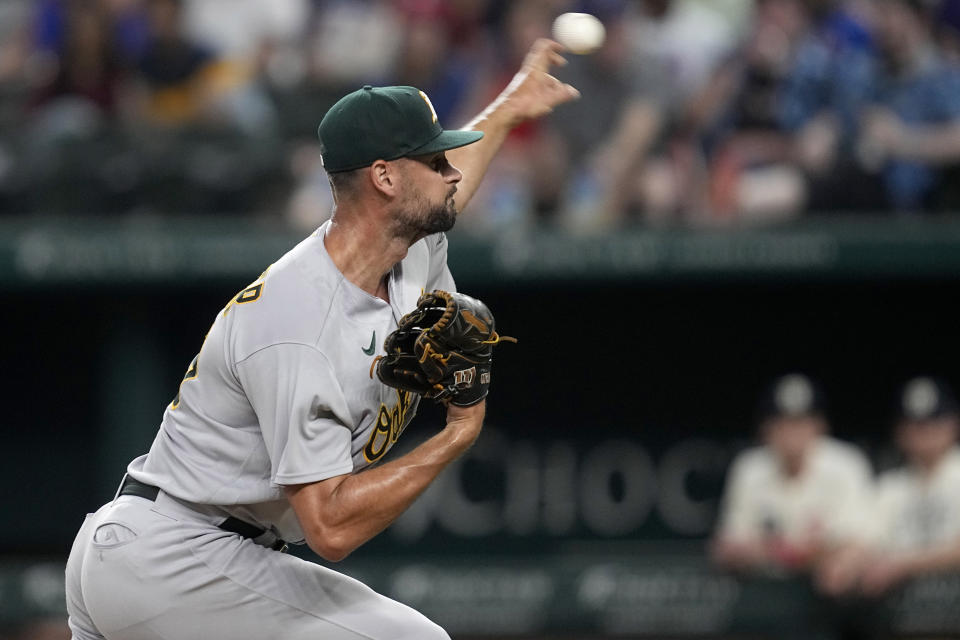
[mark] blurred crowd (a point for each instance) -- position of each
(694, 112)
(805, 503)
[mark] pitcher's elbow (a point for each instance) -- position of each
(330, 547)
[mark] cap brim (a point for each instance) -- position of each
(447, 140)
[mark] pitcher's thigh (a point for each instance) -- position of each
(314, 601)
(146, 577)
(78, 619)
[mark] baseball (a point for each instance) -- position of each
(581, 33)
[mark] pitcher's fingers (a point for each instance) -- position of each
(545, 52)
(567, 91)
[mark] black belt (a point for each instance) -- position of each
(131, 487)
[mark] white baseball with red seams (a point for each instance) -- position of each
(581, 33)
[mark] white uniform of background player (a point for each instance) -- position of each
(914, 511)
(913, 525)
(826, 501)
(775, 516)
(918, 508)
(279, 410)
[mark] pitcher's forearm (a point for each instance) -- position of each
(531, 94)
(474, 159)
(340, 514)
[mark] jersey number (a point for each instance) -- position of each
(249, 294)
(190, 375)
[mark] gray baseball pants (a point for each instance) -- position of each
(145, 570)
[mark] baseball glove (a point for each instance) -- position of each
(442, 350)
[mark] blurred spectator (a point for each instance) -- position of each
(914, 126)
(694, 111)
(526, 169)
(947, 30)
(607, 80)
(184, 82)
(832, 70)
(660, 55)
(466, 24)
(427, 60)
(262, 39)
(311, 202)
(875, 128)
(173, 68)
(355, 42)
(914, 525)
(246, 30)
(83, 85)
(751, 174)
(125, 19)
(14, 39)
(796, 496)
(830, 80)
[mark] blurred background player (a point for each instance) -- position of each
(914, 522)
(798, 494)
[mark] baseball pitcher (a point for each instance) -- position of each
(306, 378)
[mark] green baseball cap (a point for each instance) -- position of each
(383, 123)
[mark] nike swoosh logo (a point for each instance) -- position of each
(373, 340)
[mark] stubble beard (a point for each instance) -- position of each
(420, 218)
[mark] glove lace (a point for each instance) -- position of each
(430, 352)
(373, 365)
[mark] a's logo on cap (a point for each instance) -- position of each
(920, 399)
(429, 104)
(794, 395)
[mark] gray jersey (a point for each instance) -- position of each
(281, 392)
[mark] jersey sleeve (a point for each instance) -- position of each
(300, 408)
(886, 510)
(852, 493)
(439, 276)
(738, 516)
